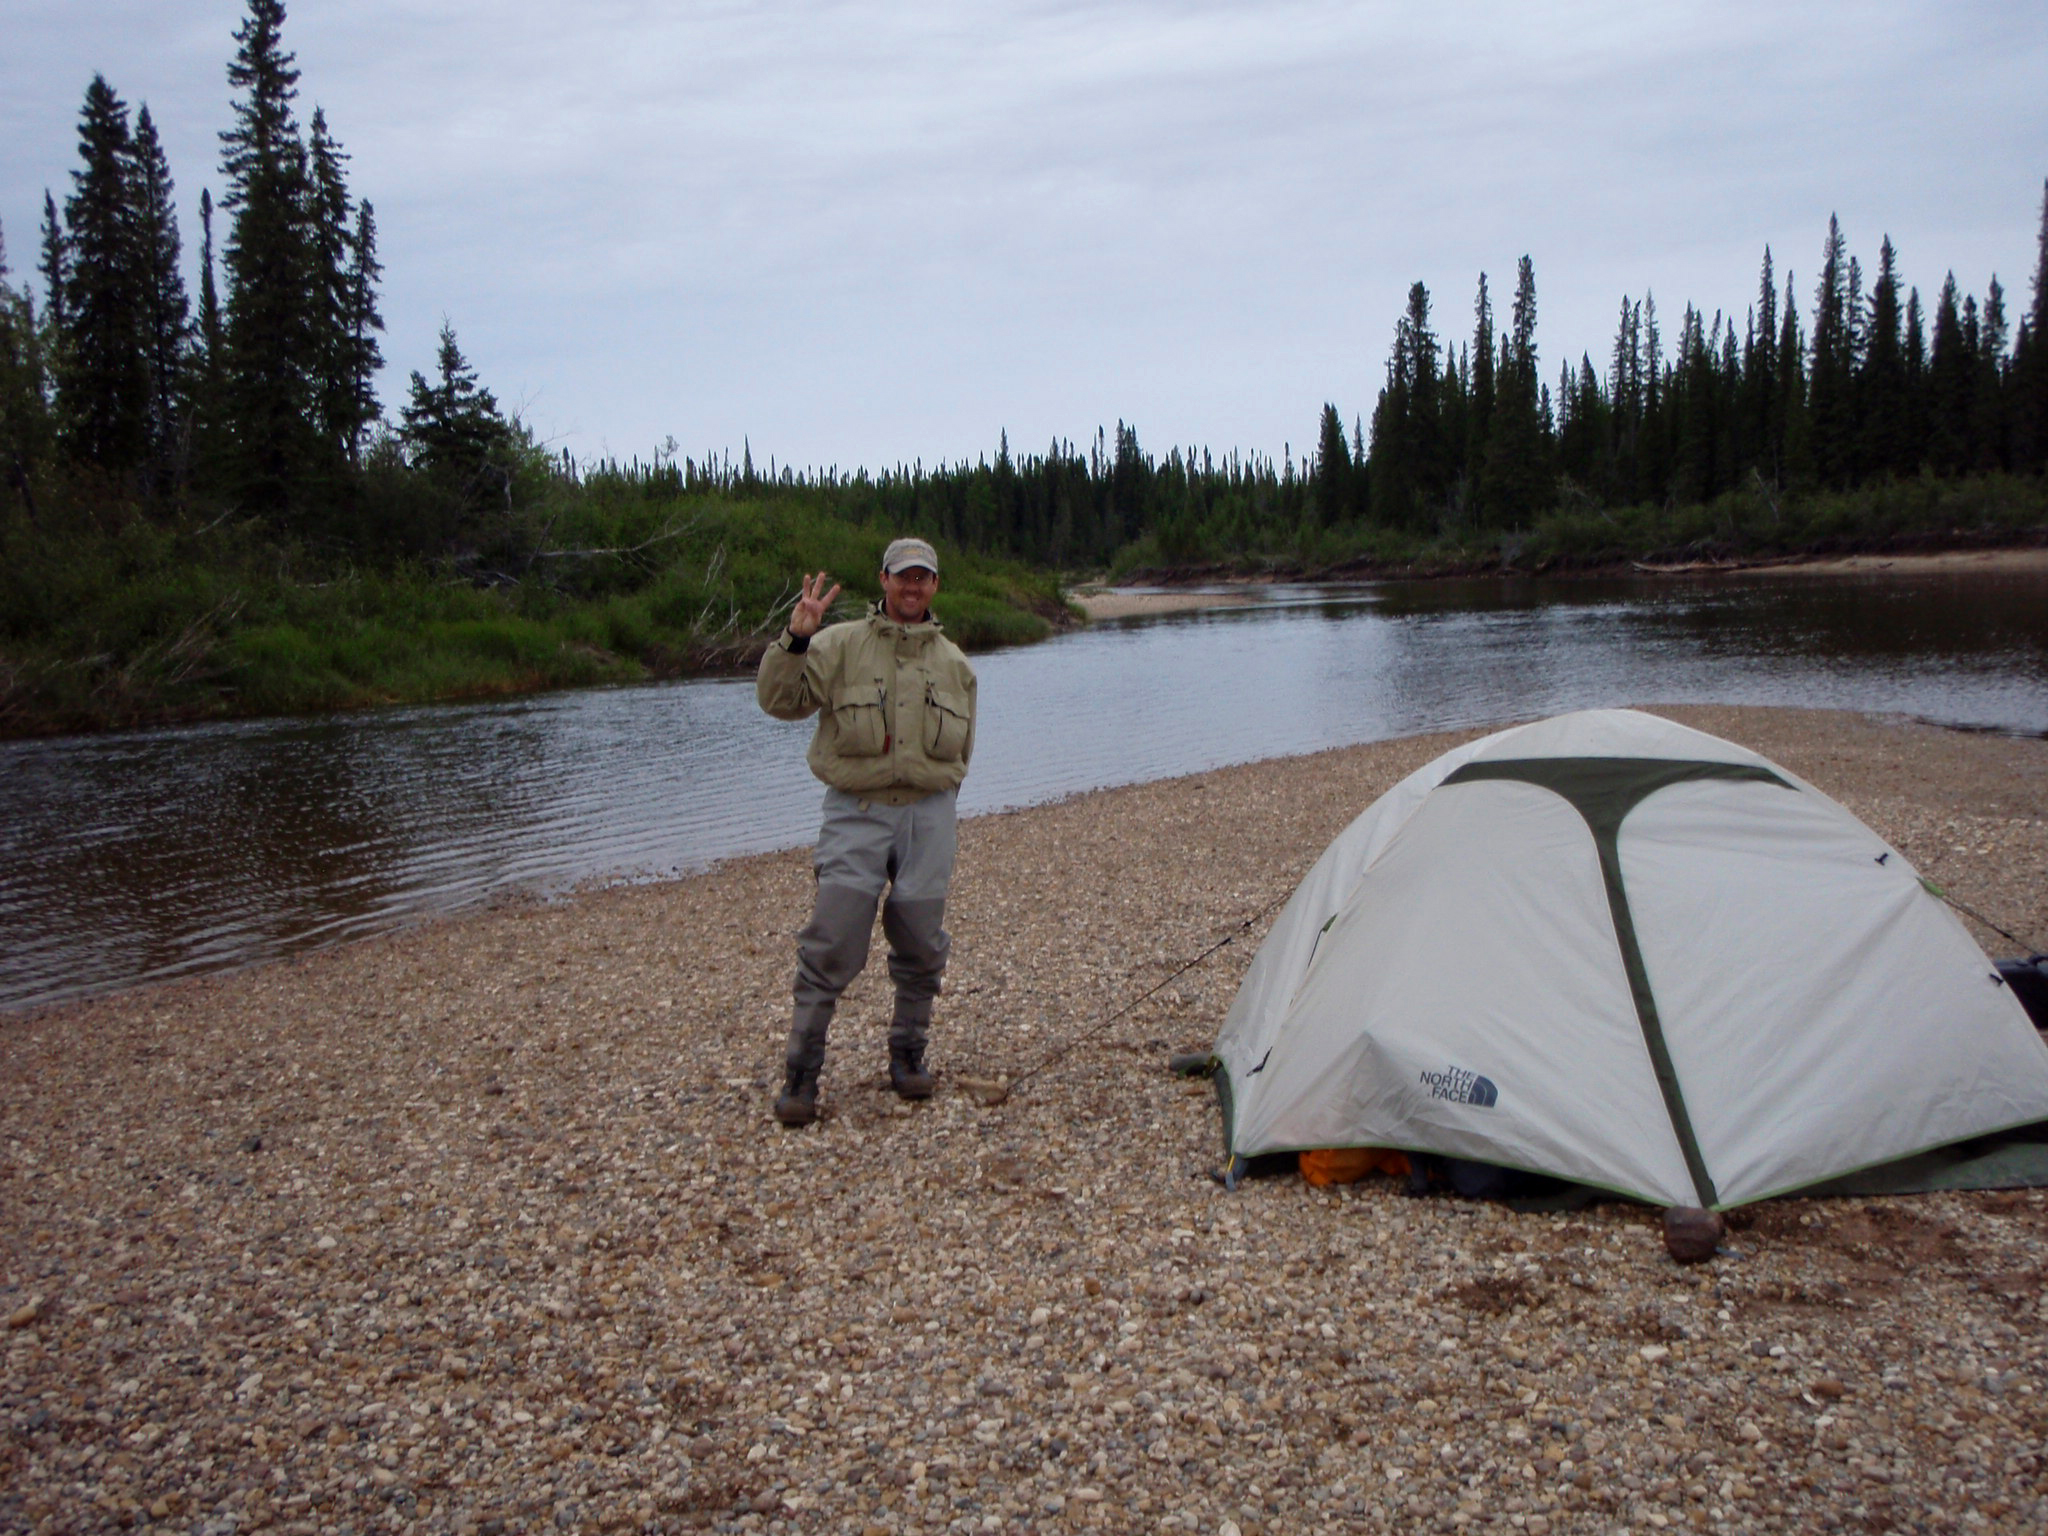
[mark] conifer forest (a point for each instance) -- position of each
(206, 508)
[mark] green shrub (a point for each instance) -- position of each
(110, 619)
(279, 669)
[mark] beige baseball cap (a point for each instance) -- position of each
(904, 553)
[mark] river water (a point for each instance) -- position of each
(144, 855)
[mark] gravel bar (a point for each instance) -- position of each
(484, 1227)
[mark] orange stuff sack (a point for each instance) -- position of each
(1347, 1165)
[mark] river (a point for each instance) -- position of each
(135, 856)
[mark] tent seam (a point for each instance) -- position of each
(1604, 792)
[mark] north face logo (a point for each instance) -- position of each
(1461, 1087)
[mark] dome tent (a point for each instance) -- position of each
(1618, 951)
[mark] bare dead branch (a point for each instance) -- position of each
(673, 531)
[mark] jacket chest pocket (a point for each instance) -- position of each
(859, 725)
(946, 723)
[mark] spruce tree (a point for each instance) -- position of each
(328, 214)
(452, 429)
(1481, 387)
(361, 357)
(1625, 389)
(1763, 427)
(1881, 380)
(1989, 430)
(1792, 427)
(342, 245)
(1406, 466)
(1951, 385)
(205, 387)
(1130, 484)
(270, 366)
(1515, 480)
(46, 346)
(24, 403)
(1915, 348)
(1691, 406)
(55, 265)
(1653, 435)
(103, 385)
(1454, 417)
(1732, 442)
(1581, 426)
(1333, 470)
(1854, 333)
(2030, 372)
(1830, 392)
(166, 314)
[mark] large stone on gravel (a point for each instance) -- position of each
(1691, 1234)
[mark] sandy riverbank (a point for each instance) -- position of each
(1131, 605)
(484, 1227)
(2001, 562)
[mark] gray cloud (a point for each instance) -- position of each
(859, 233)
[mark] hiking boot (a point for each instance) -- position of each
(798, 1104)
(907, 1074)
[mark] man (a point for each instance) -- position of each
(895, 705)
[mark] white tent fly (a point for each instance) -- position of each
(1614, 950)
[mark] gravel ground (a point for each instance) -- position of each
(484, 1227)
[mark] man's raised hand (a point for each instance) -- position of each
(812, 604)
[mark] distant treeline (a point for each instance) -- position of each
(205, 509)
(1467, 442)
(118, 396)
(1871, 392)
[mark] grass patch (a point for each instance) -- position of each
(114, 620)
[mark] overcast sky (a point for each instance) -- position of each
(861, 233)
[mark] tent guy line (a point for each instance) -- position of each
(993, 1094)
(1971, 912)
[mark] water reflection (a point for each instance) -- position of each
(153, 854)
